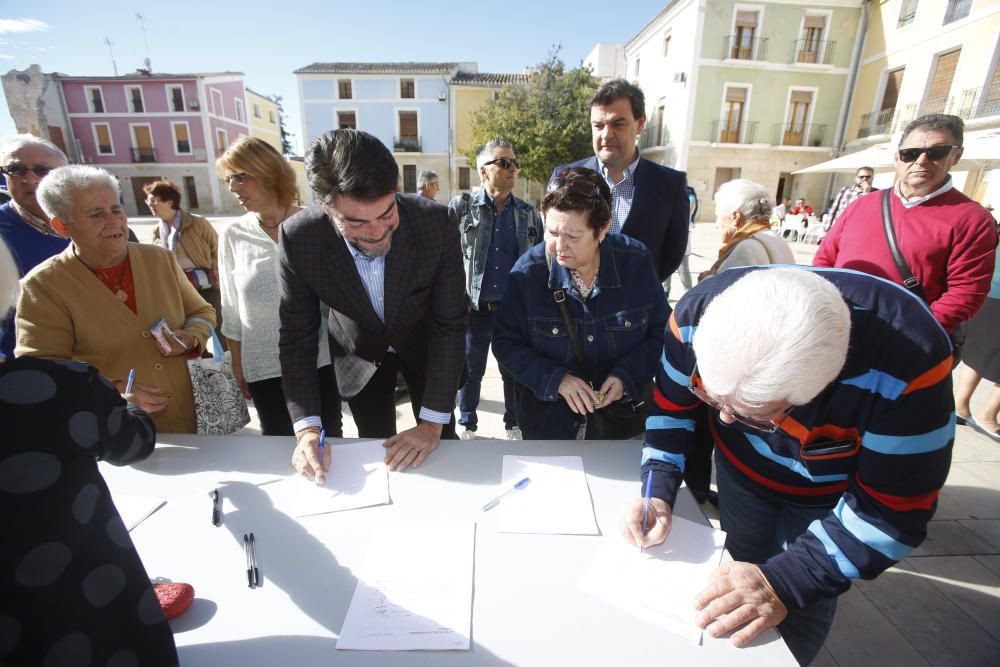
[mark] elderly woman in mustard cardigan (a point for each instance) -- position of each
(96, 301)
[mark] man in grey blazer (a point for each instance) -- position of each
(389, 267)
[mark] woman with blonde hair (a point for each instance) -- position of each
(264, 184)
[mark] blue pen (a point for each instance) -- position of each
(131, 379)
(517, 487)
(319, 455)
(645, 508)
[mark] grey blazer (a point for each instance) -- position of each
(425, 305)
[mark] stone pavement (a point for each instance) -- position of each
(940, 607)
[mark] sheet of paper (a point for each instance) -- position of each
(557, 500)
(659, 585)
(136, 509)
(358, 477)
(415, 589)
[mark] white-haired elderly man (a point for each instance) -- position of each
(496, 228)
(831, 409)
(25, 160)
(428, 184)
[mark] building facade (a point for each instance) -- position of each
(745, 90)
(265, 118)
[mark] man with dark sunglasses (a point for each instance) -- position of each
(947, 240)
(849, 193)
(496, 228)
(25, 160)
(649, 201)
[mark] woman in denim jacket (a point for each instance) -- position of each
(614, 301)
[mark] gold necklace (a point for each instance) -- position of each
(284, 215)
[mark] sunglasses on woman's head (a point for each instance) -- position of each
(581, 185)
(933, 153)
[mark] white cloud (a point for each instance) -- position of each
(22, 25)
(4, 56)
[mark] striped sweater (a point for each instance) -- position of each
(893, 398)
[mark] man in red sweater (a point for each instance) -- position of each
(948, 240)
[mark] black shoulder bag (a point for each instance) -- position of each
(620, 420)
(910, 281)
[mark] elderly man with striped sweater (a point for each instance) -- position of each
(831, 409)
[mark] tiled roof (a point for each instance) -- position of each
(377, 68)
(134, 76)
(487, 79)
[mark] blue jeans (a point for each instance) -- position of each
(477, 346)
(758, 528)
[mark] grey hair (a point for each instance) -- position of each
(743, 195)
(56, 191)
(937, 121)
(13, 144)
(485, 152)
(775, 334)
(8, 280)
(425, 177)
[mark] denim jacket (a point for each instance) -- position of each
(620, 326)
(476, 227)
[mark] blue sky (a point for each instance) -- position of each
(245, 36)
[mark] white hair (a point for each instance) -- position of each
(56, 191)
(743, 195)
(425, 177)
(13, 144)
(8, 280)
(776, 334)
(485, 153)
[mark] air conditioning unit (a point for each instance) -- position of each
(442, 97)
(194, 104)
(680, 77)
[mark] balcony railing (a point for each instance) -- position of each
(877, 122)
(957, 9)
(798, 134)
(813, 52)
(143, 155)
(978, 102)
(407, 144)
(934, 105)
(738, 48)
(734, 132)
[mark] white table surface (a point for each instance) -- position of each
(527, 608)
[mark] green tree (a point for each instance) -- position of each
(286, 136)
(546, 118)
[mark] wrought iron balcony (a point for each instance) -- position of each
(876, 122)
(978, 102)
(798, 134)
(143, 155)
(934, 105)
(814, 52)
(957, 10)
(406, 144)
(734, 132)
(739, 48)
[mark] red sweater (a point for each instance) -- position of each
(949, 242)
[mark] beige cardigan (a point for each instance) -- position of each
(66, 312)
(198, 241)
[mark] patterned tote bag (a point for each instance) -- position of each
(218, 401)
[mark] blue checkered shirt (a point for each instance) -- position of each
(621, 194)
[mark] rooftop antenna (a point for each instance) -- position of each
(107, 40)
(142, 23)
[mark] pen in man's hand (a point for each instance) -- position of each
(131, 380)
(517, 487)
(319, 455)
(216, 509)
(645, 509)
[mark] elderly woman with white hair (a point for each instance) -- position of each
(743, 214)
(829, 398)
(96, 301)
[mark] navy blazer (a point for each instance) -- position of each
(660, 211)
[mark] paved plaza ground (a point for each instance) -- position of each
(939, 607)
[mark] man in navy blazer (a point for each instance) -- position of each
(649, 201)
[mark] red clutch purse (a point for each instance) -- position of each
(174, 598)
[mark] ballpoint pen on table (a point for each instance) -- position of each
(216, 508)
(517, 487)
(253, 560)
(131, 380)
(246, 551)
(645, 509)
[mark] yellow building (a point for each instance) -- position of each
(264, 118)
(930, 57)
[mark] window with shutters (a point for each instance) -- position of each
(406, 89)
(135, 101)
(95, 99)
(957, 10)
(733, 115)
(347, 120)
(256, 110)
(893, 82)
(745, 35)
(175, 96)
(813, 28)
(409, 138)
(344, 91)
(936, 99)
(182, 138)
(409, 178)
(796, 128)
(102, 139)
(989, 104)
(907, 12)
(240, 112)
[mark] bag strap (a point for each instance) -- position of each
(559, 296)
(216, 343)
(910, 282)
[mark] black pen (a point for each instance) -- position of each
(246, 551)
(253, 560)
(216, 509)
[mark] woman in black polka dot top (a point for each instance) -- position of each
(72, 588)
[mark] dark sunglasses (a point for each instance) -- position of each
(504, 162)
(238, 179)
(581, 185)
(769, 426)
(21, 170)
(933, 153)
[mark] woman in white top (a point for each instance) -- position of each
(743, 213)
(264, 184)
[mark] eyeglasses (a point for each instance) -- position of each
(581, 185)
(21, 170)
(768, 426)
(504, 162)
(152, 201)
(864, 177)
(933, 153)
(238, 179)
